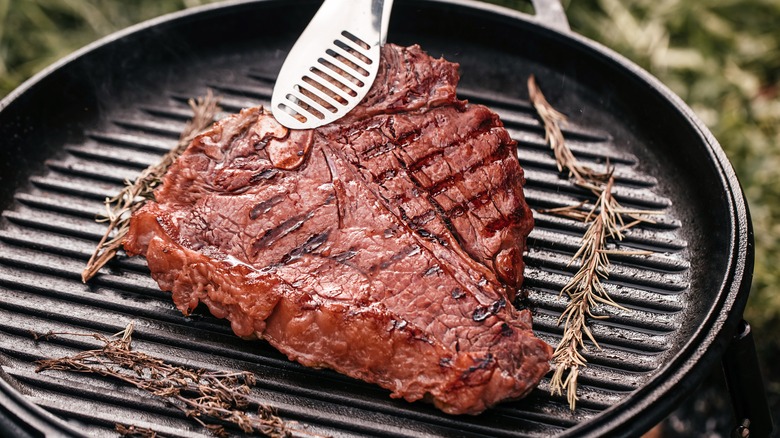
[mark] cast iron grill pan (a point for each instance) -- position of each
(77, 133)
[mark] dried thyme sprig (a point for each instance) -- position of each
(134, 195)
(208, 397)
(607, 221)
(136, 432)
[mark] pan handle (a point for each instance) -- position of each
(551, 13)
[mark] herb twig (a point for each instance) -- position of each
(211, 398)
(136, 432)
(607, 220)
(120, 207)
(553, 135)
(584, 291)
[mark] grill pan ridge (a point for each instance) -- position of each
(116, 108)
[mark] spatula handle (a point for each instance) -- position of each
(382, 9)
(551, 13)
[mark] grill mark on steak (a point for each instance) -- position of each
(422, 219)
(265, 174)
(343, 257)
(422, 232)
(386, 175)
(379, 150)
(470, 136)
(481, 364)
(397, 140)
(479, 199)
(265, 206)
(353, 257)
(500, 223)
(446, 220)
(418, 164)
(474, 202)
(486, 124)
(439, 187)
(400, 255)
(309, 247)
(274, 234)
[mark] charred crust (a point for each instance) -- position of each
(506, 330)
(480, 364)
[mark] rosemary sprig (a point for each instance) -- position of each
(606, 218)
(134, 195)
(208, 397)
(553, 135)
(585, 290)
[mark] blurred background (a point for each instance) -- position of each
(721, 56)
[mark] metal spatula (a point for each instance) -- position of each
(332, 65)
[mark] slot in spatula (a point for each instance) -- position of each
(332, 65)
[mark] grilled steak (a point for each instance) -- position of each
(386, 246)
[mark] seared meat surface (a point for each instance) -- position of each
(386, 246)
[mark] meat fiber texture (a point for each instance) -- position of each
(386, 246)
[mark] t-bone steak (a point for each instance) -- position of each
(386, 246)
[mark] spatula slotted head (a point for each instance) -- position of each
(332, 65)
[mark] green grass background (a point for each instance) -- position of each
(721, 56)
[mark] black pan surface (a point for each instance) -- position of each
(74, 133)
